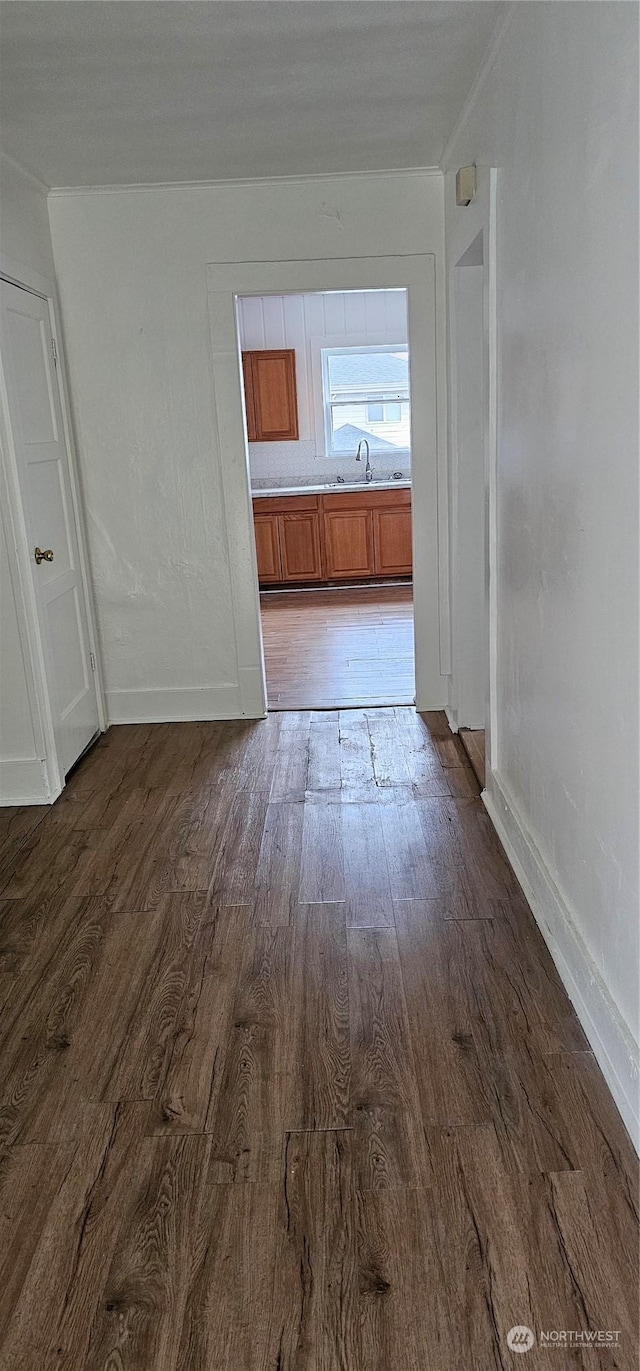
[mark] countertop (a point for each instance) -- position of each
(334, 488)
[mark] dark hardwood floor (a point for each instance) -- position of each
(289, 1081)
(339, 647)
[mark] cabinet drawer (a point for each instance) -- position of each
(284, 504)
(368, 499)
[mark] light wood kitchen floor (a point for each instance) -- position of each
(289, 1081)
(338, 648)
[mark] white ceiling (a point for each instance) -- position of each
(95, 92)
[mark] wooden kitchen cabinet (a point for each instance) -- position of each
(357, 535)
(288, 541)
(300, 546)
(271, 400)
(267, 548)
(348, 544)
(392, 546)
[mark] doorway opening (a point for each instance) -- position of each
(327, 405)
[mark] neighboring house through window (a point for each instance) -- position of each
(365, 393)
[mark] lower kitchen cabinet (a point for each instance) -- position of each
(267, 548)
(342, 536)
(392, 550)
(300, 546)
(347, 544)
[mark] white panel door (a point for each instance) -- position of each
(43, 475)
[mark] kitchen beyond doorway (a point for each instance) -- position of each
(343, 647)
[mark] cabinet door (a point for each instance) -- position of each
(392, 542)
(267, 548)
(272, 403)
(348, 543)
(300, 547)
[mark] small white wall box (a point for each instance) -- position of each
(465, 185)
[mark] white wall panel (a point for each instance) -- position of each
(131, 274)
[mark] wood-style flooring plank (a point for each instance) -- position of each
(315, 1294)
(402, 1318)
(143, 1059)
(450, 1082)
(233, 880)
(247, 1114)
(366, 871)
(410, 874)
(324, 755)
(278, 872)
(227, 1315)
(357, 776)
(389, 1149)
(291, 769)
(389, 761)
(322, 861)
(320, 1095)
(187, 1094)
(138, 1319)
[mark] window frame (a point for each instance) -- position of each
(319, 348)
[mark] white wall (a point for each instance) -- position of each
(293, 321)
(557, 115)
(131, 274)
(25, 243)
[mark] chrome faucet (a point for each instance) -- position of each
(369, 470)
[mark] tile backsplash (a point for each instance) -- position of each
(298, 464)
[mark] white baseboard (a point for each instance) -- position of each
(24, 781)
(609, 1036)
(176, 705)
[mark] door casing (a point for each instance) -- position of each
(416, 273)
(478, 219)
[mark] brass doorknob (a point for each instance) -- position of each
(46, 556)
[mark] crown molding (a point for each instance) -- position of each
(500, 31)
(230, 183)
(24, 171)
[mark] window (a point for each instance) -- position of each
(365, 393)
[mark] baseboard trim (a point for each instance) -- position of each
(24, 781)
(176, 705)
(610, 1038)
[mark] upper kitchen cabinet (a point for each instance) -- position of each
(270, 395)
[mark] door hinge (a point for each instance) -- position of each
(93, 661)
(54, 351)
